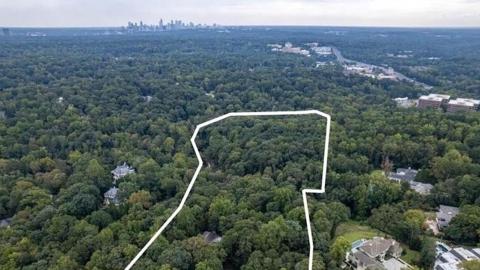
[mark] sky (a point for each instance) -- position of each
(82, 13)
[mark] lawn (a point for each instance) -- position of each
(353, 231)
(410, 256)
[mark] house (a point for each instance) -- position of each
(211, 237)
(451, 258)
(403, 175)
(445, 214)
(122, 171)
(147, 98)
(395, 264)
(462, 105)
(379, 247)
(409, 175)
(376, 253)
(111, 196)
(432, 101)
(361, 261)
(5, 223)
(421, 188)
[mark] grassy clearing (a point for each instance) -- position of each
(353, 231)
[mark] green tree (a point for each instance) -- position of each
(452, 164)
(427, 253)
(142, 198)
(177, 257)
(339, 250)
(465, 226)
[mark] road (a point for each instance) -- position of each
(342, 60)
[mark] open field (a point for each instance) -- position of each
(353, 231)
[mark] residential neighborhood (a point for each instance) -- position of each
(371, 249)
(257, 145)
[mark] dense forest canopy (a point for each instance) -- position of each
(72, 108)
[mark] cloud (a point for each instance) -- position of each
(235, 12)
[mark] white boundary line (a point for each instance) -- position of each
(200, 164)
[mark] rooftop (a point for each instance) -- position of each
(450, 259)
(111, 196)
(431, 98)
(211, 237)
(442, 96)
(403, 174)
(364, 259)
(122, 171)
(461, 103)
(446, 213)
(5, 222)
(474, 101)
(395, 264)
(377, 246)
(111, 193)
(421, 188)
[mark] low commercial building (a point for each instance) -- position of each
(444, 97)
(443, 101)
(288, 48)
(432, 101)
(445, 214)
(382, 76)
(462, 105)
(323, 50)
(405, 102)
(476, 102)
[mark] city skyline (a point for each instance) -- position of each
(87, 13)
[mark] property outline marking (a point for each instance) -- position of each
(200, 165)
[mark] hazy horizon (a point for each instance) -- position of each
(360, 13)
